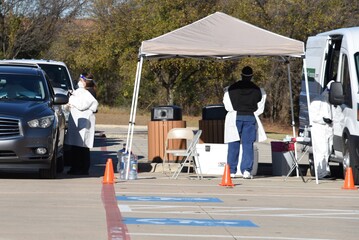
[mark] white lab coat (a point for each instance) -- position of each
(81, 125)
(321, 133)
(230, 128)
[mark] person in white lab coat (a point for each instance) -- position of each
(322, 132)
(244, 102)
(81, 128)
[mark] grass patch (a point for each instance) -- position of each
(276, 136)
(121, 116)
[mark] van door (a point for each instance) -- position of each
(330, 70)
(346, 125)
(315, 55)
(338, 111)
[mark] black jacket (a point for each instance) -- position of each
(245, 96)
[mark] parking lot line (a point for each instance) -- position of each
(206, 236)
(167, 199)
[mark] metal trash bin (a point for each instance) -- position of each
(282, 160)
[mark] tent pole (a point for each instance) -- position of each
(132, 106)
(309, 118)
(292, 111)
(131, 123)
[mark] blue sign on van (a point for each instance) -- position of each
(167, 199)
(190, 222)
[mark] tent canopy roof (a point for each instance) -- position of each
(220, 36)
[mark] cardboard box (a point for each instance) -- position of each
(213, 158)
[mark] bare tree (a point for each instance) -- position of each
(28, 27)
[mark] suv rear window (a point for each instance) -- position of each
(58, 76)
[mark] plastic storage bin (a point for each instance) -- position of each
(282, 159)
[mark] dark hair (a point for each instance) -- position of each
(90, 83)
(89, 76)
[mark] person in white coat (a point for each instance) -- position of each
(242, 122)
(322, 132)
(81, 128)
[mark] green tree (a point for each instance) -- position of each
(108, 47)
(28, 27)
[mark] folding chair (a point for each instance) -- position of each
(176, 143)
(305, 141)
(190, 158)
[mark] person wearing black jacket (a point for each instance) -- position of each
(244, 96)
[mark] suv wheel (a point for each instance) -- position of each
(50, 173)
(60, 164)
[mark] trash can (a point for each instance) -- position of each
(212, 123)
(214, 112)
(166, 113)
(282, 160)
(163, 119)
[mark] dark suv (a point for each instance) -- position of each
(57, 72)
(32, 124)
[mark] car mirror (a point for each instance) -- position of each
(60, 99)
(336, 96)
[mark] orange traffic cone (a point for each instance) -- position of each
(349, 180)
(109, 174)
(226, 179)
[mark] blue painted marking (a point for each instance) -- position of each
(190, 222)
(166, 199)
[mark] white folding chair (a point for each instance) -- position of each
(190, 158)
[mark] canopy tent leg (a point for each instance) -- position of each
(308, 105)
(292, 112)
(131, 123)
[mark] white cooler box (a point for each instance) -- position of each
(213, 158)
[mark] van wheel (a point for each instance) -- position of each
(349, 159)
(342, 172)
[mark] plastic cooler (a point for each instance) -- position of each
(282, 159)
(213, 158)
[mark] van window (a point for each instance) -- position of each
(356, 59)
(345, 76)
(332, 59)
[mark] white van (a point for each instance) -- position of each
(334, 55)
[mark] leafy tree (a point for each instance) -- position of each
(28, 27)
(108, 47)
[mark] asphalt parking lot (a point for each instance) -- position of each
(266, 207)
(156, 207)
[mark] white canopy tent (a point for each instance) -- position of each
(218, 36)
